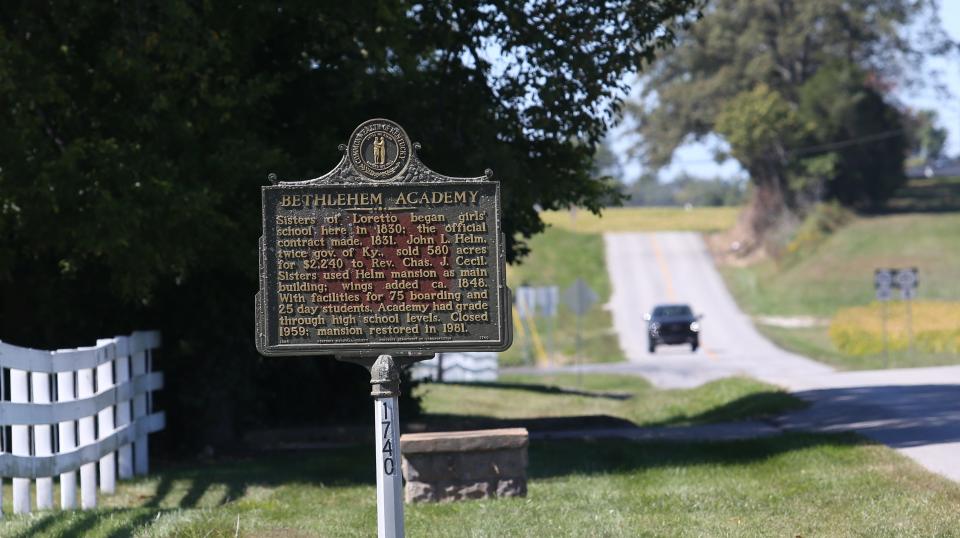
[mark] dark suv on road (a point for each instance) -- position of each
(672, 324)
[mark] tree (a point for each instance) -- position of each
(859, 134)
(134, 137)
(756, 50)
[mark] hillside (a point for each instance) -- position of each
(836, 275)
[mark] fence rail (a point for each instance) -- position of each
(88, 409)
(458, 367)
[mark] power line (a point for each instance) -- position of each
(817, 148)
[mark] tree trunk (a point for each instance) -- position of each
(763, 214)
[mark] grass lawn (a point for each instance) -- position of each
(793, 485)
(625, 397)
(838, 273)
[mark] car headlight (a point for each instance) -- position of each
(695, 327)
(654, 327)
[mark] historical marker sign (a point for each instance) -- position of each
(382, 255)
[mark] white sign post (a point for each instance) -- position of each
(907, 281)
(385, 378)
(882, 281)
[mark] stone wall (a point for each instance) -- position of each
(453, 466)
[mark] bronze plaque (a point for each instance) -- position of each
(382, 255)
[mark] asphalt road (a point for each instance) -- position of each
(647, 269)
(915, 411)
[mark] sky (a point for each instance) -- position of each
(697, 159)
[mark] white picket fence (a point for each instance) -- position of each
(458, 367)
(76, 409)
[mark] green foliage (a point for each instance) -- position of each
(756, 58)
(862, 134)
(134, 138)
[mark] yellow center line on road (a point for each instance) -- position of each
(664, 271)
(668, 282)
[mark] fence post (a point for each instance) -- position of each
(42, 439)
(108, 463)
(125, 452)
(20, 441)
(88, 471)
(68, 441)
(140, 447)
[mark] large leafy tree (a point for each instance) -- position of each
(134, 137)
(758, 59)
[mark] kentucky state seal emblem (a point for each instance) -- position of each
(379, 149)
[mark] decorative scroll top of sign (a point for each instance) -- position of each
(382, 255)
(379, 151)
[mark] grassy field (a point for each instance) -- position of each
(571, 248)
(793, 485)
(644, 219)
(627, 397)
(558, 257)
(838, 273)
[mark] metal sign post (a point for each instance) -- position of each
(882, 281)
(385, 378)
(907, 281)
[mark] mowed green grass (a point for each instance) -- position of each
(572, 247)
(792, 485)
(839, 273)
(627, 397)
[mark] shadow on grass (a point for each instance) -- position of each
(758, 405)
(546, 389)
(199, 485)
(74, 523)
(443, 422)
(552, 459)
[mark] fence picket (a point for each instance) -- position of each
(88, 471)
(140, 447)
(125, 452)
(68, 440)
(105, 422)
(20, 441)
(42, 440)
